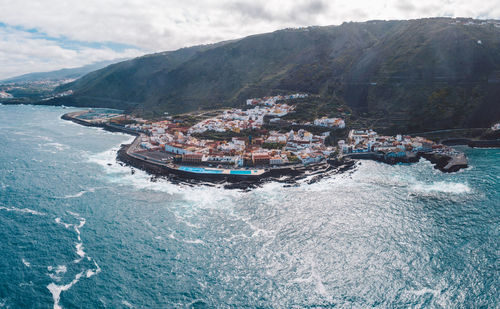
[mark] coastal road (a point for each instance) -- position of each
(446, 131)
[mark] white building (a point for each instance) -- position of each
(175, 149)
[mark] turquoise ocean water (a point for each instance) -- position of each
(78, 230)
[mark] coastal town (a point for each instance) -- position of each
(272, 148)
(242, 142)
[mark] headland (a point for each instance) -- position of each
(240, 148)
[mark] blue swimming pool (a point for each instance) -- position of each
(241, 172)
(199, 170)
(202, 170)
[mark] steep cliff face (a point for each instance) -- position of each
(408, 75)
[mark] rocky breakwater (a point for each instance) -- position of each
(74, 118)
(447, 162)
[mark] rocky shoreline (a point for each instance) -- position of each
(442, 162)
(288, 175)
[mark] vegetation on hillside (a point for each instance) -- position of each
(401, 76)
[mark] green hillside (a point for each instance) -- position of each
(398, 75)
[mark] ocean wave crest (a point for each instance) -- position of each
(23, 210)
(442, 186)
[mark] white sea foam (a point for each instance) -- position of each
(314, 278)
(229, 239)
(207, 197)
(425, 291)
(26, 263)
(57, 146)
(79, 250)
(257, 231)
(23, 210)
(45, 138)
(196, 241)
(76, 195)
(57, 289)
(55, 277)
(187, 241)
(126, 303)
(79, 193)
(61, 269)
(91, 272)
(184, 220)
(56, 273)
(66, 225)
(79, 244)
(442, 186)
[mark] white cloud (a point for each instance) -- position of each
(24, 52)
(158, 25)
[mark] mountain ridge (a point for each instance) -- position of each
(65, 73)
(406, 75)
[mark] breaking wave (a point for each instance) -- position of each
(79, 194)
(442, 186)
(121, 174)
(57, 146)
(26, 263)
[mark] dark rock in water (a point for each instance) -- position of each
(315, 179)
(446, 163)
(109, 164)
(132, 171)
(243, 185)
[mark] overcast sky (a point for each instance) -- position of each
(52, 34)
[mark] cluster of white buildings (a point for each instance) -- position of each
(301, 145)
(369, 141)
(237, 120)
(309, 148)
(270, 101)
(272, 149)
(59, 95)
(471, 22)
(330, 122)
